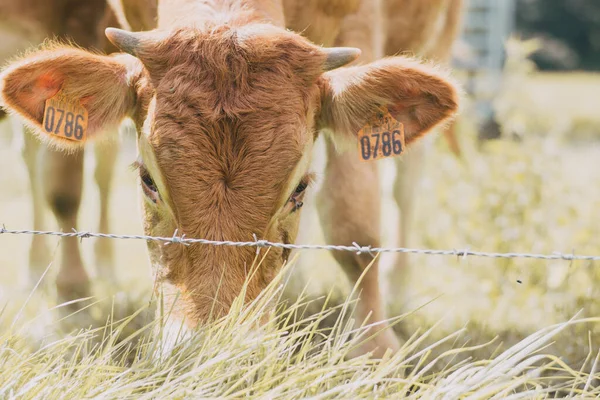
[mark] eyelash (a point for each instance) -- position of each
(301, 187)
(136, 165)
(306, 181)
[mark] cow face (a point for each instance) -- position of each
(226, 119)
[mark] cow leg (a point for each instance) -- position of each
(106, 153)
(349, 209)
(63, 183)
(349, 205)
(409, 171)
(409, 167)
(39, 253)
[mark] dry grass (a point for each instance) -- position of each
(284, 359)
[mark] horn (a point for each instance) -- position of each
(128, 42)
(339, 56)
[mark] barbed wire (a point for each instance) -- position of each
(354, 248)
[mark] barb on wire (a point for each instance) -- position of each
(355, 248)
(363, 249)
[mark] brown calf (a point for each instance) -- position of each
(29, 22)
(228, 105)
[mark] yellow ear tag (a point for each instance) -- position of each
(381, 137)
(65, 117)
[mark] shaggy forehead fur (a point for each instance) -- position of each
(230, 123)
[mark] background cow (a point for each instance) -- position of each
(59, 177)
(227, 105)
(380, 28)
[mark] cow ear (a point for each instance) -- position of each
(100, 86)
(417, 95)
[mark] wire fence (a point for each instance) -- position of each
(258, 244)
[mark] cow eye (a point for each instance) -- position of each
(148, 185)
(147, 181)
(301, 187)
(298, 195)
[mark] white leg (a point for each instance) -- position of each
(106, 153)
(39, 253)
(409, 169)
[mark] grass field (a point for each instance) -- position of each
(473, 327)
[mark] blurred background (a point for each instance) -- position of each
(525, 181)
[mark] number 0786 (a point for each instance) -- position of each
(379, 145)
(64, 123)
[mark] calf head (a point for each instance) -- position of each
(226, 119)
